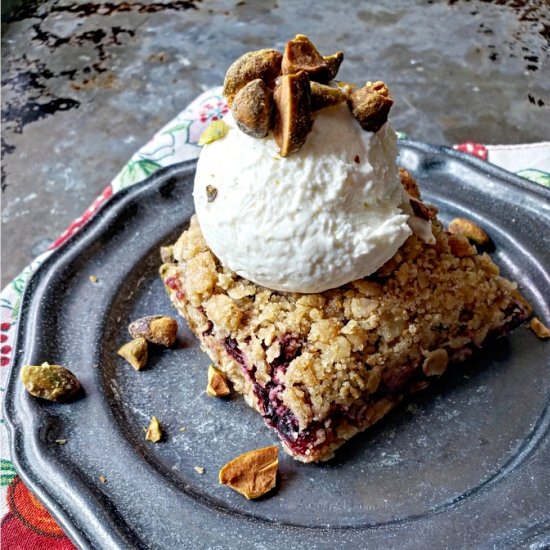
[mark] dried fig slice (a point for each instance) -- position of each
(325, 96)
(370, 105)
(293, 120)
(264, 64)
(334, 61)
(301, 55)
(253, 107)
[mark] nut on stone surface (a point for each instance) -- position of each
(370, 105)
(252, 474)
(472, 231)
(217, 383)
(51, 382)
(156, 329)
(435, 363)
(154, 431)
(135, 352)
(293, 120)
(302, 55)
(252, 108)
(542, 331)
(334, 61)
(264, 64)
(325, 96)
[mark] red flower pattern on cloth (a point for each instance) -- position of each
(28, 525)
(213, 111)
(5, 349)
(474, 149)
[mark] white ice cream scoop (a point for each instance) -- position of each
(320, 218)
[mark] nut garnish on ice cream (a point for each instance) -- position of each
(296, 196)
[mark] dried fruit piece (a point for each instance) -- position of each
(157, 329)
(253, 107)
(264, 64)
(325, 96)
(334, 61)
(154, 431)
(215, 130)
(51, 382)
(301, 55)
(293, 120)
(252, 474)
(542, 331)
(409, 183)
(370, 105)
(472, 231)
(135, 352)
(436, 362)
(217, 383)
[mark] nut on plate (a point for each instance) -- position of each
(370, 105)
(217, 383)
(470, 230)
(541, 330)
(154, 431)
(51, 382)
(264, 64)
(135, 352)
(156, 329)
(252, 474)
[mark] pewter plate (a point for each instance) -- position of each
(465, 464)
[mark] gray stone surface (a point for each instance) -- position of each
(84, 84)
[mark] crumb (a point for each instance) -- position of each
(102, 479)
(199, 469)
(61, 441)
(93, 278)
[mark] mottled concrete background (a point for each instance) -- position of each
(84, 84)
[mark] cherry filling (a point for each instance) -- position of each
(394, 382)
(276, 414)
(173, 283)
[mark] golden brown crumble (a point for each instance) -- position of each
(433, 302)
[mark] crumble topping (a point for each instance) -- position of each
(348, 348)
